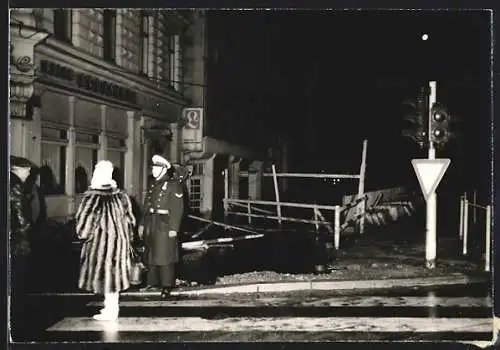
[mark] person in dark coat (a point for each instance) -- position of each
(19, 237)
(162, 215)
(106, 223)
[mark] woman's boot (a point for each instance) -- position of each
(111, 308)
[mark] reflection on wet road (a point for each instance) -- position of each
(405, 314)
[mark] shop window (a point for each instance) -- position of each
(144, 43)
(116, 155)
(87, 145)
(195, 187)
(109, 35)
(63, 24)
(53, 165)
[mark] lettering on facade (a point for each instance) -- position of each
(87, 82)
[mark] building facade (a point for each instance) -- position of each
(93, 84)
(99, 84)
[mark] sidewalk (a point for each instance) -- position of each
(367, 264)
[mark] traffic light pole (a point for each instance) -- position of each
(431, 217)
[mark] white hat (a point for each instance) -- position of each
(160, 161)
(103, 175)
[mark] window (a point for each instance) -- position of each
(53, 166)
(144, 43)
(177, 68)
(166, 59)
(109, 35)
(63, 24)
(87, 145)
(174, 61)
(116, 155)
(195, 187)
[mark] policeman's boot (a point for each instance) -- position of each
(111, 308)
(165, 292)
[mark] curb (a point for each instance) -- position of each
(294, 286)
(331, 285)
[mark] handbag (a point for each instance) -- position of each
(137, 268)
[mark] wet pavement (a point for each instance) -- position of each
(439, 313)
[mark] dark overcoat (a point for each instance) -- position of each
(162, 212)
(105, 221)
(20, 218)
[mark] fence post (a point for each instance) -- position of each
(226, 193)
(488, 239)
(315, 216)
(337, 227)
(461, 224)
(466, 225)
(277, 194)
(474, 209)
(249, 210)
(361, 187)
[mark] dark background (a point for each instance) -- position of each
(328, 79)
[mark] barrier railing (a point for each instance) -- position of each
(465, 204)
(318, 220)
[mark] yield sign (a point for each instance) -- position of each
(429, 173)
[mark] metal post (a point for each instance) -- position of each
(488, 239)
(226, 193)
(337, 227)
(474, 209)
(466, 225)
(461, 227)
(431, 222)
(277, 194)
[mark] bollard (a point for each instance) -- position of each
(461, 227)
(466, 225)
(337, 228)
(488, 239)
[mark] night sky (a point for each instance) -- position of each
(328, 79)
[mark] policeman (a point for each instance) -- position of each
(163, 211)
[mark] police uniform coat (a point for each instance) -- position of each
(163, 212)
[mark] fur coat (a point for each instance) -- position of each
(106, 223)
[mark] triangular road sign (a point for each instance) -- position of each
(429, 173)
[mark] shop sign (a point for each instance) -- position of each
(192, 130)
(87, 82)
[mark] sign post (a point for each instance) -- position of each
(431, 221)
(429, 172)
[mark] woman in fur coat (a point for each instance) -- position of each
(106, 223)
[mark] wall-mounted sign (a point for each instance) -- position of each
(192, 130)
(87, 82)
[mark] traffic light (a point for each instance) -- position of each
(441, 125)
(415, 113)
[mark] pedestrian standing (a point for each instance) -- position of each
(106, 223)
(163, 211)
(19, 238)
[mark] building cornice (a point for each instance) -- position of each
(76, 58)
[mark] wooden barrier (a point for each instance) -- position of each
(318, 219)
(361, 185)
